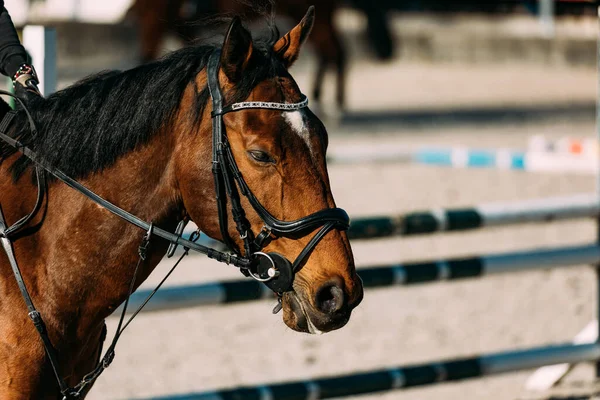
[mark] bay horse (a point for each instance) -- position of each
(156, 18)
(141, 139)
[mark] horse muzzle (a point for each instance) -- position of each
(329, 309)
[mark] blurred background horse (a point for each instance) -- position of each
(187, 20)
(184, 18)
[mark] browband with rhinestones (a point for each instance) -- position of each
(265, 104)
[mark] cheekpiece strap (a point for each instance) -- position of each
(212, 72)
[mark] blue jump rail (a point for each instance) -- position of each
(405, 377)
(444, 157)
(215, 293)
(481, 216)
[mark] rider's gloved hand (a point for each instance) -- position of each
(25, 82)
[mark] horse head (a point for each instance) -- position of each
(280, 153)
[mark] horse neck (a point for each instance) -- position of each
(82, 257)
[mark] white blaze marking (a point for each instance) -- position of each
(296, 121)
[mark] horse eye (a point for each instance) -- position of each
(261, 156)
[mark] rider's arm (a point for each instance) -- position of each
(13, 59)
(12, 53)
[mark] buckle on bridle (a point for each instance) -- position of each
(263, 236)
(143, 248)
(266, 230)
(108, 359)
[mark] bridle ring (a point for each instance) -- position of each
(273, 273)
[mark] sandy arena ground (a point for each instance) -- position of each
(208, 348)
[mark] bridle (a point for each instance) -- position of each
(276, 271)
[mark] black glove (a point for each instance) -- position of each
(25, 83)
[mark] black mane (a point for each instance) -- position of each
(85, 128)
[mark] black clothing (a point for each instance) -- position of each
(12, 53)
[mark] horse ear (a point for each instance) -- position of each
(288, 47)
(237, 50)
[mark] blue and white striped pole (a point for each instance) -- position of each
(486, 215)
(462, 157)
(482, 216)
(459, 157)
(179, 297)
(405, 377)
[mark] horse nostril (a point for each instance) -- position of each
(330, 298)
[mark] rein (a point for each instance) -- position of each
(7, 231)
(273, 269)
(132, 219)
